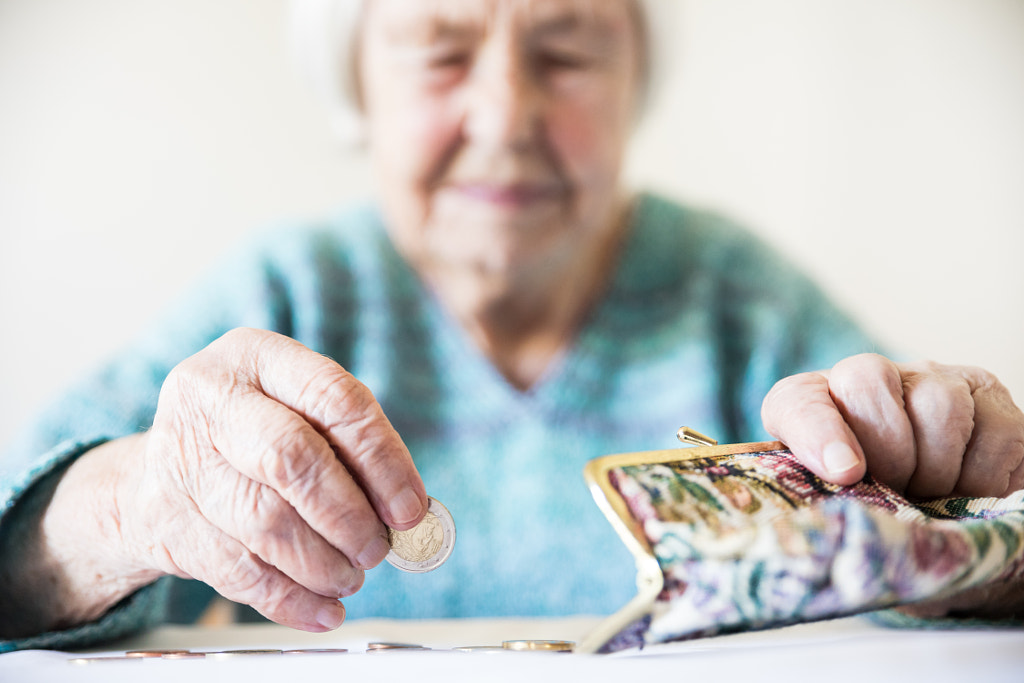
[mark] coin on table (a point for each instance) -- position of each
(227, 654)
(380, 647)
(81, 661)
(539, 645)
(145, 654)
(427, 545)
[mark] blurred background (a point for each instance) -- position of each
(880, 143)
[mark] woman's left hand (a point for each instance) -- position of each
(925, 429)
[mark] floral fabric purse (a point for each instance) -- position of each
(742, 536)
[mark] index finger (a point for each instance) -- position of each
(800, 412)
(345, 412)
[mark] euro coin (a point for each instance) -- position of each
(227, 654)
(381, 647)
(539, 645)
(427, 545)
(144, 654)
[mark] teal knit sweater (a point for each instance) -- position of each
(698, 323)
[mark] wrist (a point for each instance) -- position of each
(82, 551)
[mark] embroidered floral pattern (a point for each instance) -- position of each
(756, 540)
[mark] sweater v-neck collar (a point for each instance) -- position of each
(559, 381)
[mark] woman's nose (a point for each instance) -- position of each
(505, 103)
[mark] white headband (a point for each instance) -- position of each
(322, 32)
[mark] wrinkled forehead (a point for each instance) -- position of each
(431, 20)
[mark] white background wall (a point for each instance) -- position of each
(880, 142)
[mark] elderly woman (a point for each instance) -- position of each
(504, 312)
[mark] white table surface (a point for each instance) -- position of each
(850, 649)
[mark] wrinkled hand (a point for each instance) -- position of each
(925, 429)
(269, 474)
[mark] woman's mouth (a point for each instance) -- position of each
(510, 195)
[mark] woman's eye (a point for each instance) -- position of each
(564, 61)
(448, 60)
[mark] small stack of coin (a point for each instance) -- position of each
(390, 647)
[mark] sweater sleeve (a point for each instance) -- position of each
(132, 614)
(120, 399)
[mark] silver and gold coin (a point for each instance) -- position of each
(427, 545)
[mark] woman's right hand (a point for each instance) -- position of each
(269, 474)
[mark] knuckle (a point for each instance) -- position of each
(1016, 453)
(985, 380)
(284, 539)
(240, 338)
(332, 398)
(182, 379)
(929, 367)
(270, 511)
(342, 400)
(349, 529)
(203, 379)
(996, 475)
(781, 388)
(787, 397)
(358, 524)
(247, 579)
(374, 449)
(285, 604)
(285, 459)
(277, 604)
(350, 411)
(943, 403)
(863, 373)
(232, 338)
(1016, 482)
(1014, 461)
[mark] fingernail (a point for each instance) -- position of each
(331, 616)
(373, 552)
(406, 506)
(839, 458)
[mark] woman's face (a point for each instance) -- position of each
(497, 127)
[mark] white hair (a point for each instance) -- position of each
(322, 36)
